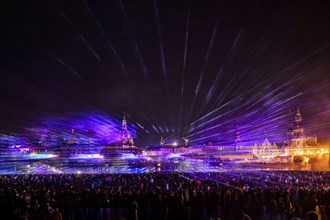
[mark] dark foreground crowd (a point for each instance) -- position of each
(226, 195)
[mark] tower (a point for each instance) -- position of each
(185, 141)
(298, 130)
(297, 136)
(161, 140)
(126, 135)
(237, 138)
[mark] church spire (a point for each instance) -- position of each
(237, 136)
(127, 138)
(298, 119)
(298, 129)
(161, 140)
(124, 124)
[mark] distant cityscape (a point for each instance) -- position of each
(298, 147)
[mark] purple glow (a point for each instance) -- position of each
(41, 156)
(128, 156)
(24, 149)
(87, 156)
(172, 155)
(15, 146)
(74, 129)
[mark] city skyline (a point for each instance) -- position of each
(97, 129)
(187, 69)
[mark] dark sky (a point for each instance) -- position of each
(166, 64)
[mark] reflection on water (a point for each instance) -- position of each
(116, 165)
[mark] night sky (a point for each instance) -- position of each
(195, 69)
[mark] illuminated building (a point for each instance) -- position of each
(125, 145)
(296, 136)
(298, 147)
(127, 138)
(267, 150)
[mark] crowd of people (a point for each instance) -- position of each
(226, 195)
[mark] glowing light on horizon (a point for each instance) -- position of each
(42, 156)
(88, 156)
(172, 155)
(126, 156)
